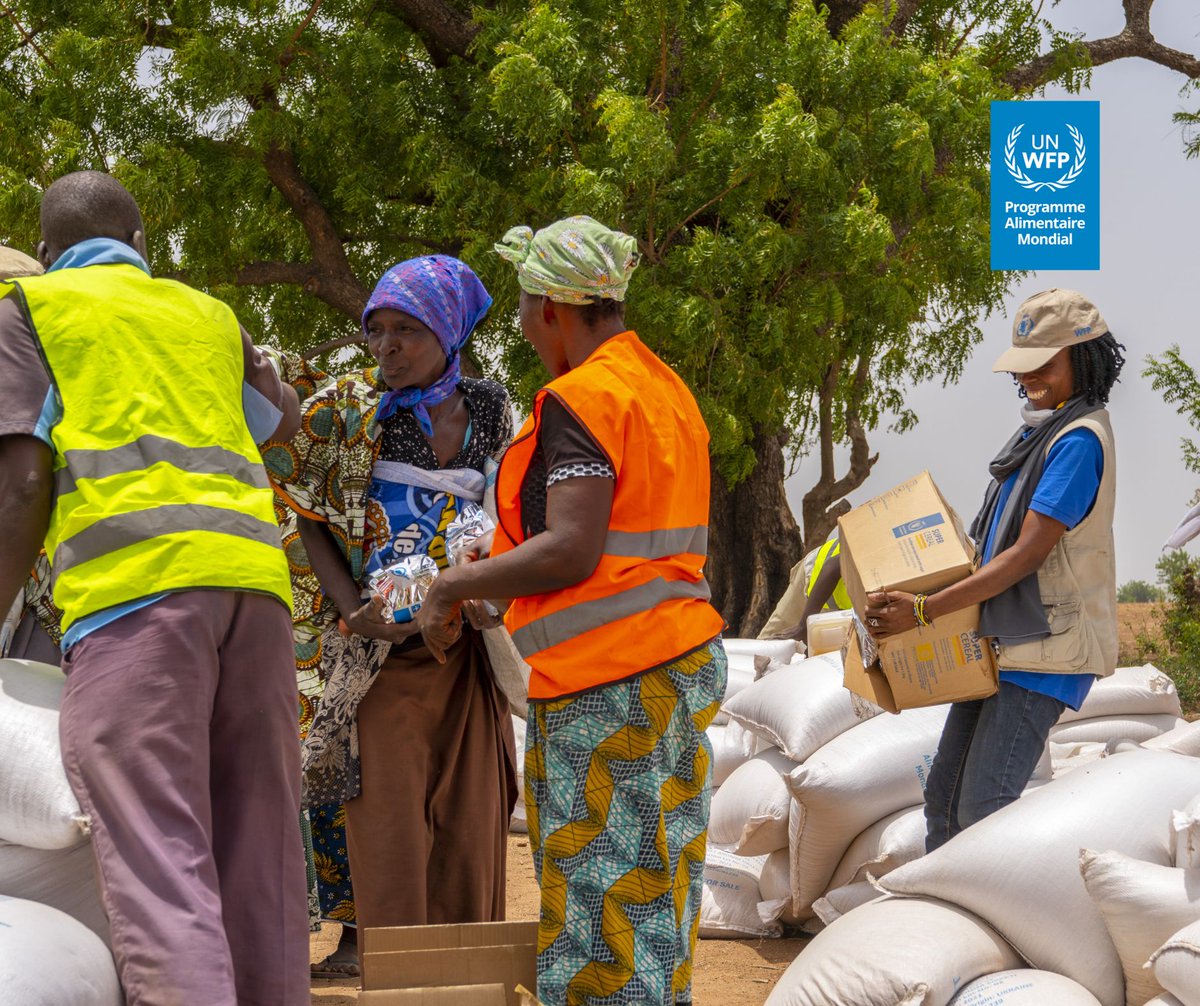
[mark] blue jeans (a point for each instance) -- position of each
(987, 754)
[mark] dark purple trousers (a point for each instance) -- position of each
(179, 736)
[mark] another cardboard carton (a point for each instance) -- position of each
(441, 957)
(910, 539)
(449, 995)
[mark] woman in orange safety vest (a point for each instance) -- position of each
(602, 501)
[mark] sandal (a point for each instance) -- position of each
(334, 970)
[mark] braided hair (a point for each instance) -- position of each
(1097, 367)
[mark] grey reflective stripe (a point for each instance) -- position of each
(550, 630)
(150, 450)
(658, 544)
(125, 529)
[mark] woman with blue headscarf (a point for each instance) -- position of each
(420, 753)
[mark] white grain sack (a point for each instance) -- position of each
(37, 807)
(898, 839)
(750, 810)
(739, 674)
(1018, 868)
(780, 651)
(1176, 965)
(1184, 738)
(800, 707)
(1143, 905)
(732, 747)
(61, 878)
(1110, 729)
(729, 903)
(49, 959)
(518, 824)
(841, 900)
(893, 952)
(1025, 987)
(1129, 691)
(856, 779)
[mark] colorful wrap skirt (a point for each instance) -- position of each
(618, 782)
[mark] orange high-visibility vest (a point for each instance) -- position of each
(646, 603)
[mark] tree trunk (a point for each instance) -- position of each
(753, 541)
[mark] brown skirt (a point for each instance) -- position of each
(427, 836)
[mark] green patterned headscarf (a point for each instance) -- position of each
(573, 261)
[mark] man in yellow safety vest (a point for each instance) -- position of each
(128, 448)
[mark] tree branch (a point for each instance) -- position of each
(444, 30)
(325, 347)
(1135, 40)
(268, 273)
(331, 280)
(825, 501)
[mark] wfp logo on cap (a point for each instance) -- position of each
(918, 524)
(1025, 326)
(1081, 332)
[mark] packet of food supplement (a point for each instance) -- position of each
(403, 585)
(471, 524)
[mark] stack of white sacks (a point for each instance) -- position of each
(1084, 891)
(53, 931)
(819, 793)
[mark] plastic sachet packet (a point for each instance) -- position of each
(471, 524)
(403, 585)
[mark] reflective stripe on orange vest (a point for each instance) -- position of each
(646, 603)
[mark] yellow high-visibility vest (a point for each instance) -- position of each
(158, 483)
(840, 599)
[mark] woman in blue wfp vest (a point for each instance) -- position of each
(1047, 584)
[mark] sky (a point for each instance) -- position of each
(1146, 289)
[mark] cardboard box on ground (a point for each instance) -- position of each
(911, 539)
(480, 964)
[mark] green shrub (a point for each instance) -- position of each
(1180, 574)
(1138, 592)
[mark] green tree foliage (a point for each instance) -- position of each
(1174, 377)
(1138, 592)
(1180, 574)
(808, 185)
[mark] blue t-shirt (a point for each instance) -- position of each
(1066, 492)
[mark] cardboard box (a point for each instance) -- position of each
(907, 539)
(450, 995)
(442, 957)
(910, 539)
(946, 662)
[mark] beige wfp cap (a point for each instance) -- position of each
(1044, 324)
(14, 263)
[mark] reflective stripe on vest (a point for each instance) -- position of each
(150, 450)
(646, 602)
(122, 530)
(657, 544)
(159, 484)
(550, 630)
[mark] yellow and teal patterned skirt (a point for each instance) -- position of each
(618, 782)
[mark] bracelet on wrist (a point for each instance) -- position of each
(919, 613)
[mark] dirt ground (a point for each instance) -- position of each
(727, 971)
(1134, 621)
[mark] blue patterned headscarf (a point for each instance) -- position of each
(446, 296)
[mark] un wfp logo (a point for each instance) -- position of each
(1044, 155)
